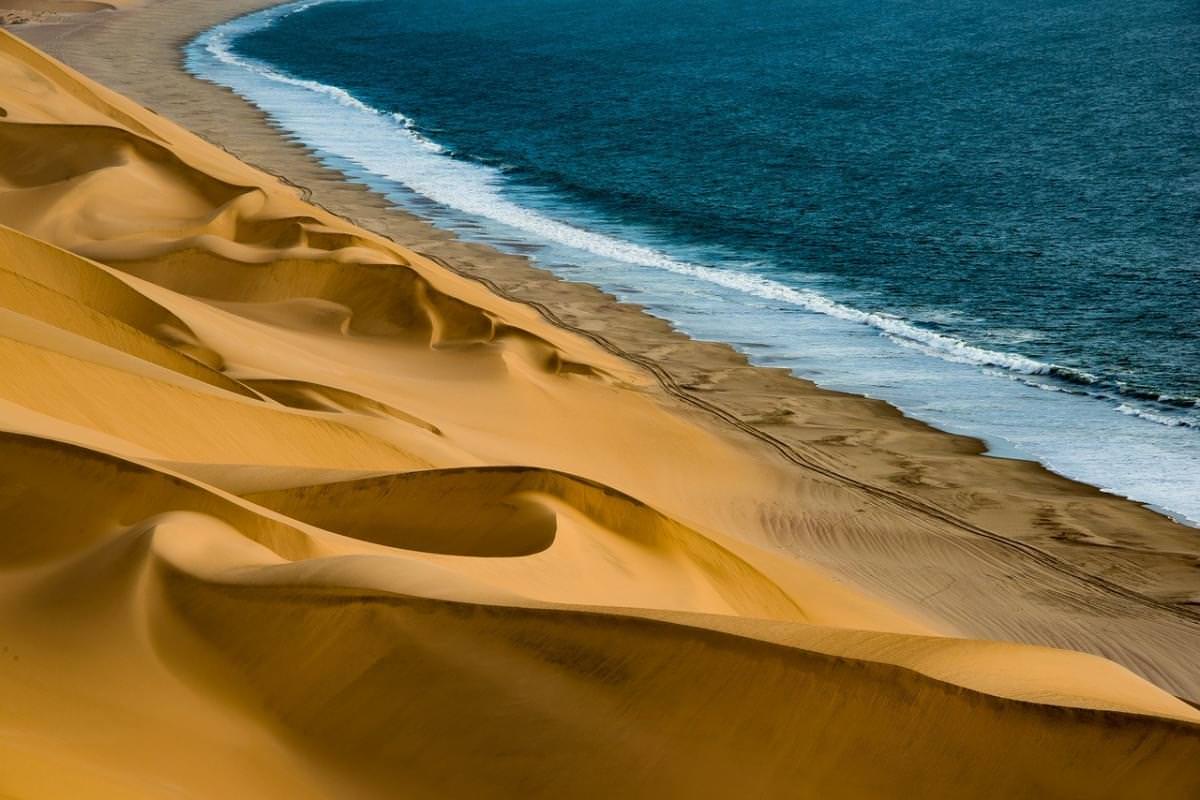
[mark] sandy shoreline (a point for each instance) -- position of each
(771, 401)
(863, 441)
(631, 488)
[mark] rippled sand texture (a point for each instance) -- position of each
(287, 510)
(21, 12)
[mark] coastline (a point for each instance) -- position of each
(1059, 400)
(350, 520)
(862, 441)
(749, 396)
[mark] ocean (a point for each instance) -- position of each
(985, 213)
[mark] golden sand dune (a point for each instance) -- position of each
(288, 510)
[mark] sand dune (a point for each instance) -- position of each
(289, 510)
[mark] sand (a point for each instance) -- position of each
(293, 507)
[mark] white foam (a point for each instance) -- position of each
(218, 43)
(476, 189)
(389, 146)
(1151, 416)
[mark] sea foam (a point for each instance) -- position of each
(388, 145)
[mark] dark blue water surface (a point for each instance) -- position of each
(983, 212)
(1032, 168)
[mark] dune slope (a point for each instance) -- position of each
(287, 509)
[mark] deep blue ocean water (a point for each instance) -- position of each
(983, 211)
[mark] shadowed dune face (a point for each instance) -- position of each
(314, 397)
(68, 292)
(39, 528)
(552, 708)
(594, 545)
(374, 691)
(453, 512)
(288, 510)
(380, 299)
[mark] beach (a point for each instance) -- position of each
(307, 497)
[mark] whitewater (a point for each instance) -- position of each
(1020, 406)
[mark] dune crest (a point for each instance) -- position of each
(288, 509)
